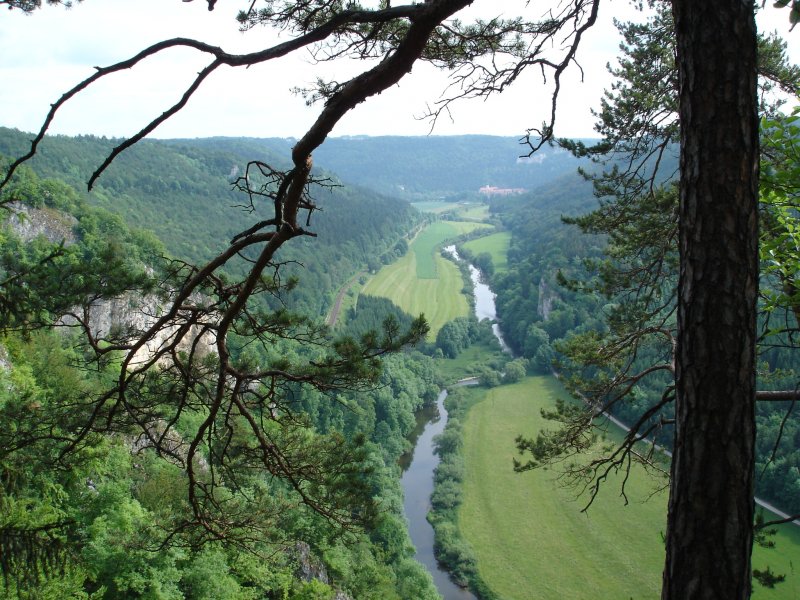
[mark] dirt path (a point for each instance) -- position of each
(337, 304)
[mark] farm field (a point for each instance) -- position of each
(424, 282)
(468, 226)
(533, 542)
(478, 212)
(495, 244)
(428, 242)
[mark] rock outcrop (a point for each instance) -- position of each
(309, 568)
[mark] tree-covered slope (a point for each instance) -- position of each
(424, 167)
(441, 165)
(181, 190)
(100, 510)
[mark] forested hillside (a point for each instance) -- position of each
(553, 309)
(101, 509)
(533, 307)
(181, 190)
(424, 168)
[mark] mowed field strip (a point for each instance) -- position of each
(495, 244)
(424, 282)
(530, 537)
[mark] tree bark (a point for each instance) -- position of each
(709, 530)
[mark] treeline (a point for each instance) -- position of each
(96, 527)
(533, 308)
(452, 550)
(434, 167)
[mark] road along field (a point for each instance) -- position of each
(528, 532)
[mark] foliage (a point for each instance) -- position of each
(42, 279)
(531, 306)
(181, 190)
(780, 244)
(523, 530)
(31, 5)
(84, 510)
(449, 545)
(438, 167)
(625, 365)
(457, 335)
(515, 370)
(495, 245)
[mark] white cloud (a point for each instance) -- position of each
(45, 54)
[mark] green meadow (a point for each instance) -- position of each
(495, 244)
(528, 532)
(479, 212)
(468, 363)
(427, 245)
(468, 226)
(424, 282)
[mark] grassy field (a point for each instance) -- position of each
(532, 541)
(467, 363)
(495, 244)
(479, 212)
(440, 299)
(426, 247)
(424, 282)
(468, 226)
(428, 242)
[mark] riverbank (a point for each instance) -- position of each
(418, 482)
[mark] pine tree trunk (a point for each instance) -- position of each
(709, 530)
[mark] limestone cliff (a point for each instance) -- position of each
(547, 296)
(128, 315)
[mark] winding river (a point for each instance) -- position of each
(484, 299)
(419, 464)
(417, 482)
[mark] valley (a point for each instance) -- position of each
(532, 535)
(506, 535)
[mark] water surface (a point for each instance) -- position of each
(417, 482)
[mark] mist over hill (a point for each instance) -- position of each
(420, 167)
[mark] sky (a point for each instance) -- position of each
(45, 54)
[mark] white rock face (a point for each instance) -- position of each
(29, 223)
(129, 313)
(131, 316)
(546, 299)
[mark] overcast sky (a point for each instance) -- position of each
(43, 55)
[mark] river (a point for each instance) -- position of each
(484, 299)
(417, 482)
(419, 464)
